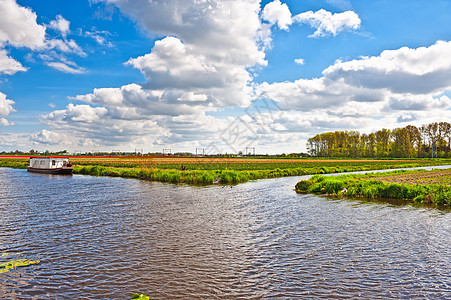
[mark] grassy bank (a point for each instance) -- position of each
(15, 163)
(238, 171)
(224, 171)
(418, 186)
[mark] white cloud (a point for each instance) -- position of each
(208, 48)
(60, 66)
(48, 137)
(417, 71)
(61, 25)
(299, 61)
(406, 79)
(327, 23)
(312, 94)
(277, 12)
(100, 36)
(132, 101)
(202, 62)
(18, 26)
(8, 65)
(66, 46)
(366, 94)
(4, 122)
(418, 102)
(79, 113)
(6, 105)
(89, 126)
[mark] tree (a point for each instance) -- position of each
(382, 142)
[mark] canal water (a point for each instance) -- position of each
(107, 238)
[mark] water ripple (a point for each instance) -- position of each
(111, 237)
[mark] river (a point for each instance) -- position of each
(107, 238)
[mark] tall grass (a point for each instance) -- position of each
(16, 164)
(224, 176)
(235, 173)
(364, 186)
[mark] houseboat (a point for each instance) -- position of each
(50, 165)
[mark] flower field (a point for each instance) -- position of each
(241, 164)
(221, 170)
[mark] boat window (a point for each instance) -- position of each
(42, 162)
(53, 162)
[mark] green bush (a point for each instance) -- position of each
(303, 186)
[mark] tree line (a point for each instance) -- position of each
(430, 140)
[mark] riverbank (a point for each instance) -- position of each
(223, 171)
(416, 185)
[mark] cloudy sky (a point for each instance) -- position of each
(222, 75)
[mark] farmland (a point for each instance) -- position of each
(221, 170)
(242, 164)
(419, 177)
(415, 185)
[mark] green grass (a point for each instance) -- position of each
(372, 186)
(225, 176)
(257, 164)
(205, 171)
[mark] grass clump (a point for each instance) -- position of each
(372, 186)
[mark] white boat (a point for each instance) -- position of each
(50, 165)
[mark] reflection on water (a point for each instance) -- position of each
(102, 237)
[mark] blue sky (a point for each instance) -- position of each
(219, 75)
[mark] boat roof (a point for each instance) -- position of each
(38, 157)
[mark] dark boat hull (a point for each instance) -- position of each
(63, 170)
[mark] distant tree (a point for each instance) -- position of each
(382, 142)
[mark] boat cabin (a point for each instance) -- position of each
(49, 162)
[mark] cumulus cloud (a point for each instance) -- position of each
(395, 76)
(132, 101)
(172, 64)
(6, 105)
(327, 23)
(18, 26)
(418, 71)
(78, 113)
(48, 137)
(204, 58)
(89, 125)
(4, 122)
(60, 24)
(8, 65)
(312, 94)
(345, 97)
(208, 48)
(418, 102)
(277, 12)
(201, 62)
